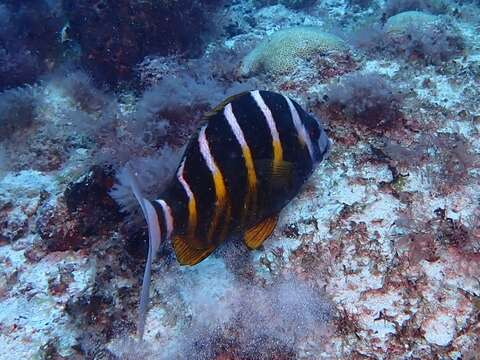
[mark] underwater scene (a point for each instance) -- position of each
(239, 180)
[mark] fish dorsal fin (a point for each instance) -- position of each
(279, 173)
(220, 106)
(256, 235)
(187, 254)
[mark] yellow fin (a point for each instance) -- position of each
(187, 254)
(256, 235)
(220, 106)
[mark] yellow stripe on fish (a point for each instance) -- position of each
(251, 194)
(220, 190)
(277, 145)
(192, 205)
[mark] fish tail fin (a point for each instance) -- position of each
(154, 239)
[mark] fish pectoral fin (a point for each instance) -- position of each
(256, 235)
(280, 173)
(187, 254)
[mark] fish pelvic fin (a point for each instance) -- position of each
(187, 254)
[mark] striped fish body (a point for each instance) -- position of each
(239, 170)
(246, 162)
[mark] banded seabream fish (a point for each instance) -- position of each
(248, 160)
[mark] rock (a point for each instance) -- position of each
(21, 196)
(399, 24)
(59, 230)
(85, 211)
(420, 35)
(34, 323)
(116, 35)
(439, 329)
(289, 48)
(29, 43)
(88, 199)
(294, 4)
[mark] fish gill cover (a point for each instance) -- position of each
(378, 255)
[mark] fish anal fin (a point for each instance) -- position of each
(257, 234)
(187, 254)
